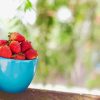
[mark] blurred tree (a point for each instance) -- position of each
(62, 46)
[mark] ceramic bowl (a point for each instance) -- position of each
(16, 75)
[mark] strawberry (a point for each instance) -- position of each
(19, 56)
(31, 54)
(26, 45)
(5, 51)
(3, 42)
(15, 46)
(16, 36)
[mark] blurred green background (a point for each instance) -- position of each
(66, 33)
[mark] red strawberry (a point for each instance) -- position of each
(31, 54)
(16, 36)
(5, 51)
(15, 46)
(26, 45)
(3, 42)
(19, 56)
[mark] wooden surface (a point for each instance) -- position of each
(35, 94)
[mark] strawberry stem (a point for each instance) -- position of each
(9, 34)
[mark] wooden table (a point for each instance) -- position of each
(36, 94)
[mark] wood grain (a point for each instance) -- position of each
(36, 94)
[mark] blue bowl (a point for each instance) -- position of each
(16, 75)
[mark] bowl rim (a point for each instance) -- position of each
(18, 60)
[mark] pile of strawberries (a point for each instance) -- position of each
(17, 47)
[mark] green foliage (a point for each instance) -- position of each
(94, 82)
(28, 5)
(59, 60)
